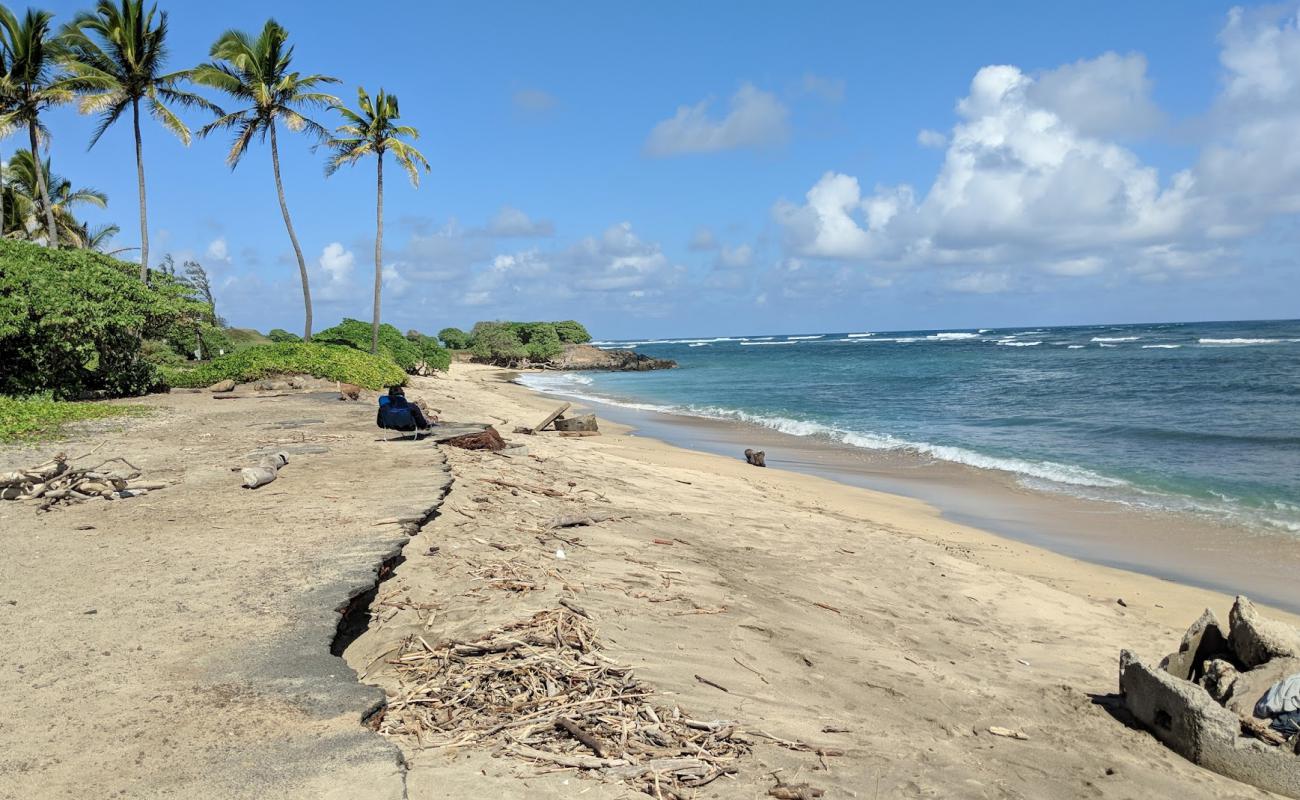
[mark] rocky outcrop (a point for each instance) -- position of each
(586, 357)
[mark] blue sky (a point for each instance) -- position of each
(689, 169)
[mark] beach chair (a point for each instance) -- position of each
(396, 418)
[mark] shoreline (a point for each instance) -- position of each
(1177, 547)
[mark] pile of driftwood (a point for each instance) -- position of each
(540, 690)
(571, 426)
(57, 481)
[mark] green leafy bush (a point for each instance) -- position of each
(412, 354)
(329, 361)
(541, 342)
(39, 418)
(72, 322)
(278, 335)
(432, 354)
(498, 343)
(571, 332)
(454, 338)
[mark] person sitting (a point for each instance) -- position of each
(396, 413)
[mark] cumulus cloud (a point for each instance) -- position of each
(755, 119)
(337, 262)
(1018, 182)
(513, 222)
(218, 250)
(1106, 96)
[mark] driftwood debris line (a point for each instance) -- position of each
(541, 690)
(56, 481)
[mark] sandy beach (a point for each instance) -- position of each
(180, 644)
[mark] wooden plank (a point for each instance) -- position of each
(552, 417)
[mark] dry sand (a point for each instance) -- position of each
(206, 672)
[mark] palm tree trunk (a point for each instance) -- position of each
(2, 198)
(293, 237)
(139, 176)
(51, 229)
(379, 256)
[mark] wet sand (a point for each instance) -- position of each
(1178, 547)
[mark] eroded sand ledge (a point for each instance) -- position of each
(181, 647)
(206, 672)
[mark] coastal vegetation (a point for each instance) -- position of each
(329, 361)
(29, 418)
(73, 322)
(414, 353)
(76, 323)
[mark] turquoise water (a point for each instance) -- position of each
(1201, 418)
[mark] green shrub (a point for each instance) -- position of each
(243, 337)
(72, 322)
(571, 332)
(329, 361)
(278, 335)
(411, 353)
(40, 418)
(497, 342)
(454, 338)
(541, 342)
(432, 354)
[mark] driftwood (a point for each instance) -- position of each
(584, 423)
(486, 439)
(578, 520)
(756, 457)
(56, 481)
(795, 791)
(540, 689)
(267, 470)
(552, 417)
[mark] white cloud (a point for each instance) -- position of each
(755, 120)
(1076, 267)
(1105, 96)
(395, 285)
(337, 263)
(534, 101)
(735, 257)
(218, 250)
(702, 239)
(829, 89)
(1018, 183)
(513, 222)
(981, 283)
(928, 138)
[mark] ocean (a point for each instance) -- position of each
(1196, 418)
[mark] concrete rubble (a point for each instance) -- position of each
(1200, 701)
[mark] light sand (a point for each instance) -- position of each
(205, 671)
(938, 631)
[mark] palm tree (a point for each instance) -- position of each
(256, 72)
(371, 131)
(116, 58)
(26, 204)
(33, 84)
